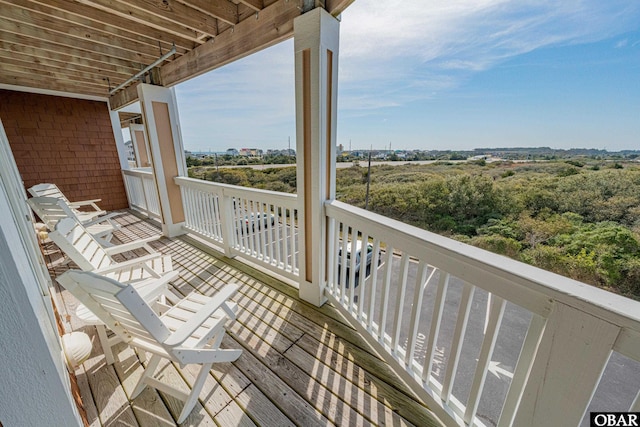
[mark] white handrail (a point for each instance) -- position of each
(436, 308)
(141, 191)
(257, 224)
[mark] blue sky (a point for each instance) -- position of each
(444, 74)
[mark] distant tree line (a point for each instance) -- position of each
(578, 218)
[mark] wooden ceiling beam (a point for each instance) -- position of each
(81, 24)
(223, 10)
(74, 55)
(86, 35)
(35, 54)
(336, 7)
(172, 11)
(9, 56)
(54, 78)
(115, 24)
(124, 97)
(53, 73)
(49, 36)
(256, 5)
(274, 24)
(127, 13)
(38, 83)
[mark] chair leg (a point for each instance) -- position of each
(195, 392)
(104, 342)
(151, 367)
(142, 355)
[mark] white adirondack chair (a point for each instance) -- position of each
(52, 190)
(190, 332)
(150, 274)
(51, 210)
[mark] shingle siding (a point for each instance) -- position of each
(66, 141)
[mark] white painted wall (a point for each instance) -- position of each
(34, 382)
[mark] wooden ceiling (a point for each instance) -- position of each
(88, 47)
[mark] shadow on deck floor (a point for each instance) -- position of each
(300, 365)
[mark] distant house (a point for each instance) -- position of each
(251, 152)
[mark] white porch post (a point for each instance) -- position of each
(316, 40)
(140, 145)
(117, 134)
(162, 125)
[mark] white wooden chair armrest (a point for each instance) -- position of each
(156, 287)
(104, 218)
(211, 355)
(142, 262)
(87, 216)
(188, 328)
(81, 203)
(126, 247)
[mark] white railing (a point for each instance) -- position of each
(141, 191)
(257, 224)
(486, 340)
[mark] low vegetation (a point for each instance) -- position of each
(577, 218)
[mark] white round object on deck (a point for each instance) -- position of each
(76, 347)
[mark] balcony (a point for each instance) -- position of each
(301, 365)
(477, 338)
(429, 329)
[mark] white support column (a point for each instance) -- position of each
(571, 356)
(117, 134)
(140, 146)
(316, 41)
(162, 125)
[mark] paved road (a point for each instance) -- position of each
(364, 164)
(343, 165)
(616, 392)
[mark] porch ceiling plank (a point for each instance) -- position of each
(84, 35)
(10, 55)
(245, 12)
(274, 24)
(15, 44)
(10, 69)
(172, 11)
(69, 73)
(223, 10)
(78, 44)
(46, 37)
(114, 24)
(80, 26)
(74, 53)
(39, 83)
(256, 5)
(126, 14)
(336, 7)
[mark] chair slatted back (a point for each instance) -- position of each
(50, 210)
(119, 306)
(47, 190)
(80, 245)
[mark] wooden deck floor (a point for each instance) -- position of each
(300, 365)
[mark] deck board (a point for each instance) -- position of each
(300, 365)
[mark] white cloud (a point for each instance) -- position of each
(392, 52)
(240, 104)
(418, 44)
(622, 43)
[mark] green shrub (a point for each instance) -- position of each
(498, 244)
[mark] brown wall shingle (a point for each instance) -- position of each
(65, 141)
